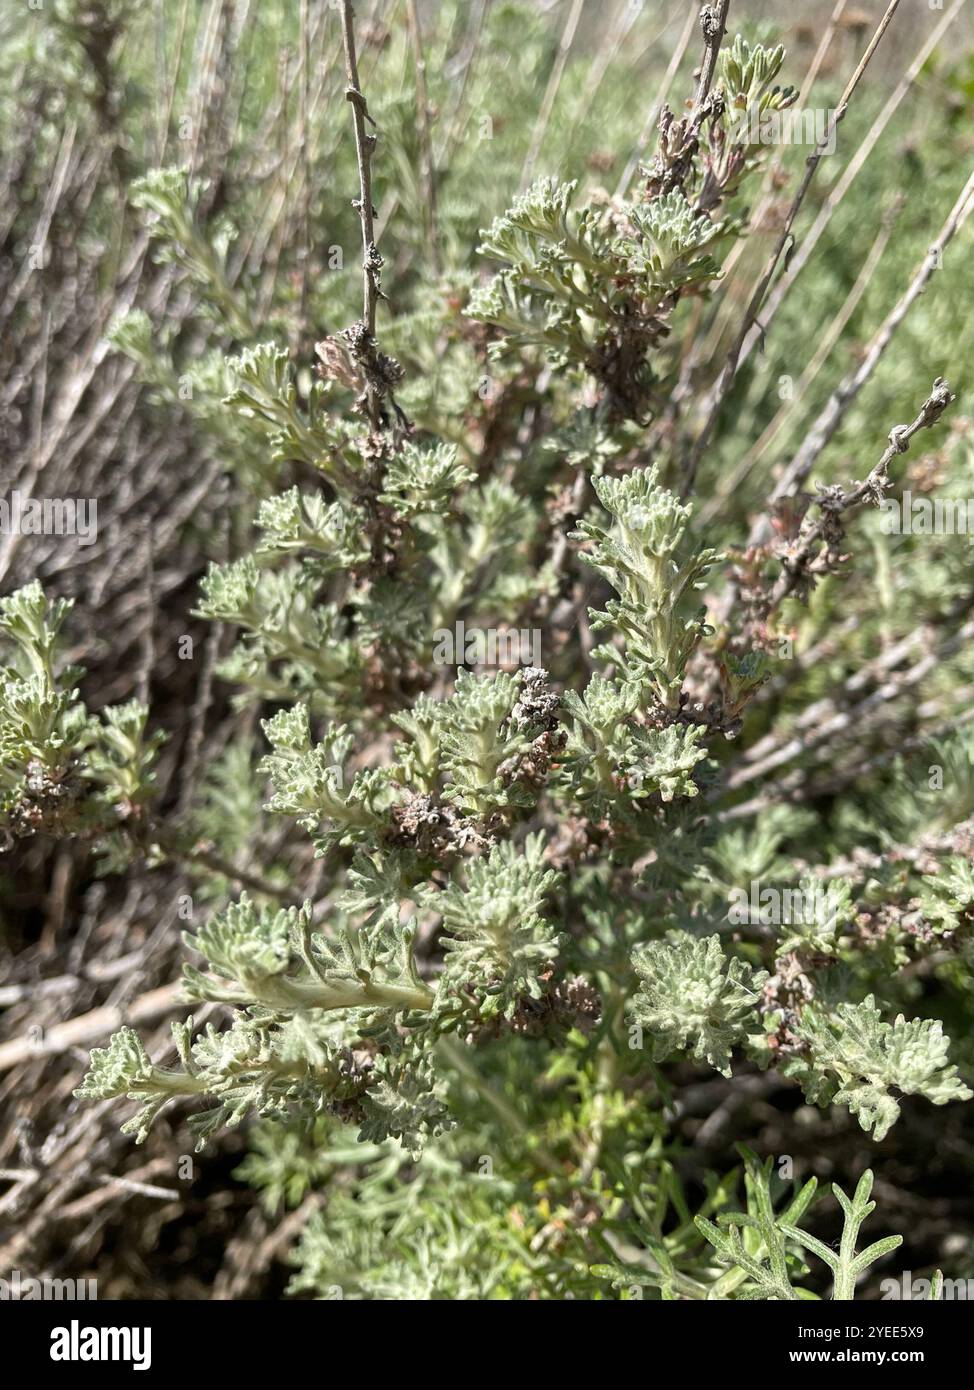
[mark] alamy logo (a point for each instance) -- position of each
(25, 1288)
(782, 907)
(926, 516)
(811, 126)
(912, 1290)
(49, 516)
(77, 1343)
(504, 648)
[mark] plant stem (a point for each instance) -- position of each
(277, 991)
(364, 148)
(713, 22)
(456, 1055)
(210, 859)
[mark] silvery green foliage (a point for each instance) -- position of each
(309, 779)
(826, 908)
(272, 959)
(592, 288)
(64, 771)
(244, 1069)
(759, 1249)
(496, 935)
(752, 1246)
(552, 295)
(262, 393)
(946, 900)
(291, 645)
(169, 196)
(424, 480)
(431, 1239)
(693, 999)
(431, 828)
(645, 553)
(278, 1057)
(667, 250)
(402, 1103)
(327, 534)
(607, 750)
(846, 1264)
(859, 1060)
(747, 70)
(43, 724)
(481, 742)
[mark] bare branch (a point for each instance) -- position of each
(713, 23)
(726, 378)
(801, 562)
(364, 149)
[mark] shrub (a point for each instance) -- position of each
(515, 911)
